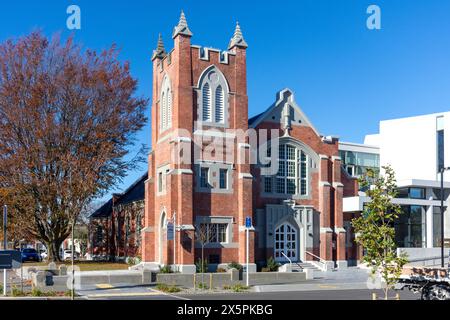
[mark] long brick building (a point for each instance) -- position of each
(209, 168)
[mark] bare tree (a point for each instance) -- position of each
(201, 236)
(68, 119)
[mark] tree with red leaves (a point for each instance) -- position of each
(68, 119)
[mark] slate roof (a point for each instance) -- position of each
(136, 192)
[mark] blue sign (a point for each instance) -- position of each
(248, 222)
(170, 231)
(10, 259)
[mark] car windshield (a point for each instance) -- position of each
(29, 251)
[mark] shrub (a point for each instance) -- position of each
(16, 292)
(265, 269)
(1, 289)
(198, 266)
(239, 288)
(226, 287)
(165, 288)
(272, 265)
(165, 269)
(35, 292)
(203, 286)
(221, 270)
(235, 265)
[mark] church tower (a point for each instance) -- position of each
(197, 188)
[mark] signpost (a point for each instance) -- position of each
(174, 242)
(248, 225)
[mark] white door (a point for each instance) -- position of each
(285, 245)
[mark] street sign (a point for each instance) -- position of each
(170, 231)
(248, 222)
(10, 259)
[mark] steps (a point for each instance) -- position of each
(299, 266)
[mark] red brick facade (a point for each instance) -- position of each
(178, 77)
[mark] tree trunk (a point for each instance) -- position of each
(53, 251)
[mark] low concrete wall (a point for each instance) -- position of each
(219, 280)
(425, 256)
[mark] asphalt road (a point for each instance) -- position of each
(286, 295)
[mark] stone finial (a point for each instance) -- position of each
(238, 38)
(160, 52)
(182, 27)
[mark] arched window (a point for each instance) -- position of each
(163, 111)
(169, 109)
(292, 177)
(206, 99)
(166, 105)
(219, 104)
(213, 97)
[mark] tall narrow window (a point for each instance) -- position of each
(163, 111)
(165, 108)
(169, 109)
(219, 104)
(204, 177)
(223, 178)
(160, 182)
(206, 102)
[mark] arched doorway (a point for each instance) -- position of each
(286, 243)
(162, 235)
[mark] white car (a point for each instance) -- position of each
(67, 255)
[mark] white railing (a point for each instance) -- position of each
(290, 261)
(321, 264)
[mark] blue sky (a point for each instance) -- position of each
(346, 78)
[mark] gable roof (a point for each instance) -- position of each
(135, 192)
(283, 97)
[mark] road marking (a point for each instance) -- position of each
(104, 286)
(327, 286)
(128, 294)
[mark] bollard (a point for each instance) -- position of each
(195, 284)
(210, 281)
(397, 296)
(374, 296)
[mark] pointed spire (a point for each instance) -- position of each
(238, 38)
(160, 52)
(182, 27)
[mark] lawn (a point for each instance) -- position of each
(86, 265)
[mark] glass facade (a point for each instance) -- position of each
(357, 163)
(410, 228)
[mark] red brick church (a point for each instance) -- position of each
(202, 178)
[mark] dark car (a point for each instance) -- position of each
(30, 255)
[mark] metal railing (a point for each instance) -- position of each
(320, 263)
(290, 261)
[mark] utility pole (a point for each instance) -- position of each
(442, 217)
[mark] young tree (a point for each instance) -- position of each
(68, 120)
(375, 228)
(201, 235)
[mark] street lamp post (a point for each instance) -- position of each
(442, 215)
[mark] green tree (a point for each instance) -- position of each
(375, 227)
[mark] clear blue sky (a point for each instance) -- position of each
(346, 78)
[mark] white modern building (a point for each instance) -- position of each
(415, 148)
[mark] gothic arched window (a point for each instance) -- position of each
(213, 97)
(206, 102)
(166, 105)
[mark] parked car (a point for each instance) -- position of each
(67, 255)
(29, 254)
(43, 254)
